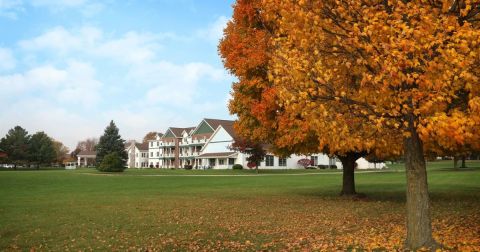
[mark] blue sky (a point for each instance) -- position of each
(68, 67)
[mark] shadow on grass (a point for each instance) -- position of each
(374, 193)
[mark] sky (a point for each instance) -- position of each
(68, 67)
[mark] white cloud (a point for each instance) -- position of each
(150, 93)
(129, 48)
(60, 40)
(7, 60)
(174, 84)
(86, 7)
(214, 32)
(76, 84)
(59, 3)
(132, 47)
(10, 8)
(165, 82)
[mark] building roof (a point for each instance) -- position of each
(230, 130)
(214, 123)
(142, 146)
(217, 154)
(178, 131)
(87, 153)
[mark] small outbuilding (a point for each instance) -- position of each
(84, 158)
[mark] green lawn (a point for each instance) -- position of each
(139, 210)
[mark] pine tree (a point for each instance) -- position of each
(41, 149)
(110, 142)
(15, 144)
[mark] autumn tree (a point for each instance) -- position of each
(61, 151)
(255, 151)
(88, 144)
(408, 68)
(150, 136)
(246, 50)
(15, 144)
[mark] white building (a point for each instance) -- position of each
(217, 154)
(155, 152)
(137, 155)
(208, 146)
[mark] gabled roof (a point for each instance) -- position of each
(213, 124)
(87, 153)
(229, 131)
(177, 132)
(142, 146)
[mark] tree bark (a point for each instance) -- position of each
(455, 162)
(348, 164)
(419, 227)
(463, 165)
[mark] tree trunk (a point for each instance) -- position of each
(455, 162)
(256, 168)
(348, 163)
(419, 227)
(463, 163)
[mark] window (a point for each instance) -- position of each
(151, 144)
(314, 160)
(158, 143)
(221, 161)
(136, 154)
(136, 164)
(151, 154)
(282, 162)
(268, 160)
(231, 161)
(158, 153)
(211, 162)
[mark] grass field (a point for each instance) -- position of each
(149, 209)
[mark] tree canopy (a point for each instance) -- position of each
(110, 142)
(41, 149)
(15, 144)
(381, 77)
(408, 68)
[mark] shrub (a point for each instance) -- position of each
(305, 162)
(322, 166)
(237, 167)
(111, 162)
(310, 167)
(333, 167)
(188, 167)
(251, 165)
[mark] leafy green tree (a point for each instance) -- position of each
(112, 162)
(41, 149)
(15, 144)
(111, 142)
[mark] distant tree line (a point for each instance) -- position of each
(37, 149)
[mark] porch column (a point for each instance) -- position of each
(86, 161)
(78, 161)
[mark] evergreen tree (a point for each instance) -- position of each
(111, 142)
(15, 144)
(41, 149)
